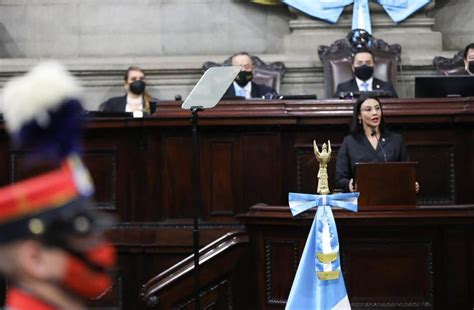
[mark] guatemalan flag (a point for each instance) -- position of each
(331, 10)
(318, 282)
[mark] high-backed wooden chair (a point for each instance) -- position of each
(337, 61)
(270, 74)
(450, 66)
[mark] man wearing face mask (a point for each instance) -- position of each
(243, 86)
(137, 100)
(469, 59)
(363, 68)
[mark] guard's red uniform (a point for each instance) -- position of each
(20, 300)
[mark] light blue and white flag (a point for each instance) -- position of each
(318, 282)
(331, 10)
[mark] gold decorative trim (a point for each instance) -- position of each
(327, 257)
(328, 275)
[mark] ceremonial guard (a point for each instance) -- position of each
(52, 250)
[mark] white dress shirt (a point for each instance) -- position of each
(245, 91)
(134, 105)
(369, 82)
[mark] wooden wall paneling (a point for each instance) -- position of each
(390, 260)
(456, 255)
(372, 267)
(152, 178)
(262, 168)
(402, 267)
(463, 165)
(176, 176)
(288, 159)
(221, 177)
(470, 160)
(21, 167)
(470, 239)
(444, 163)
(277, 254)
(307, 169)
(102, 165)
(113, 161)
(281, 261)
(435, 172)
(136, 171)
(434, 148)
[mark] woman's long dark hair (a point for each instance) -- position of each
(356, 126)
(146, 96)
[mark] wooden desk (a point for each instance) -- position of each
(415, 259)
(251, 152)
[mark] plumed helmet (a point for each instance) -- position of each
(43, 114)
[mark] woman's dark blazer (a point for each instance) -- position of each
(118, 104)
(357, 149)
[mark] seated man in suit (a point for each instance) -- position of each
(363, 68)
(243, 85)
(469, 59)
(137, 100)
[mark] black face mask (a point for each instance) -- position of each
(364, 72)
(137, 87)
(470, 67)
(243, 78)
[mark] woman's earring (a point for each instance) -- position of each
(360, 121)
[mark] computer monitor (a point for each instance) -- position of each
(444, 86)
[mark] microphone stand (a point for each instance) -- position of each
(206, 94)
(195, 201)
(373, 132)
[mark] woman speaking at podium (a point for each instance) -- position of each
(369, 141)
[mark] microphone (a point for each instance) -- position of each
(373, 132)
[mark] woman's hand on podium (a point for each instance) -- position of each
(351, 185)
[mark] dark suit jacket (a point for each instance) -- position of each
(258, 91)
(351, 86)
(117, 104)
(359, 150)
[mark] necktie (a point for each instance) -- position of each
(240, 92)
(365, 86)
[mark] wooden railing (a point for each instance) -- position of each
(223, 264)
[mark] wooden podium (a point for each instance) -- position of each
(386, 185)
